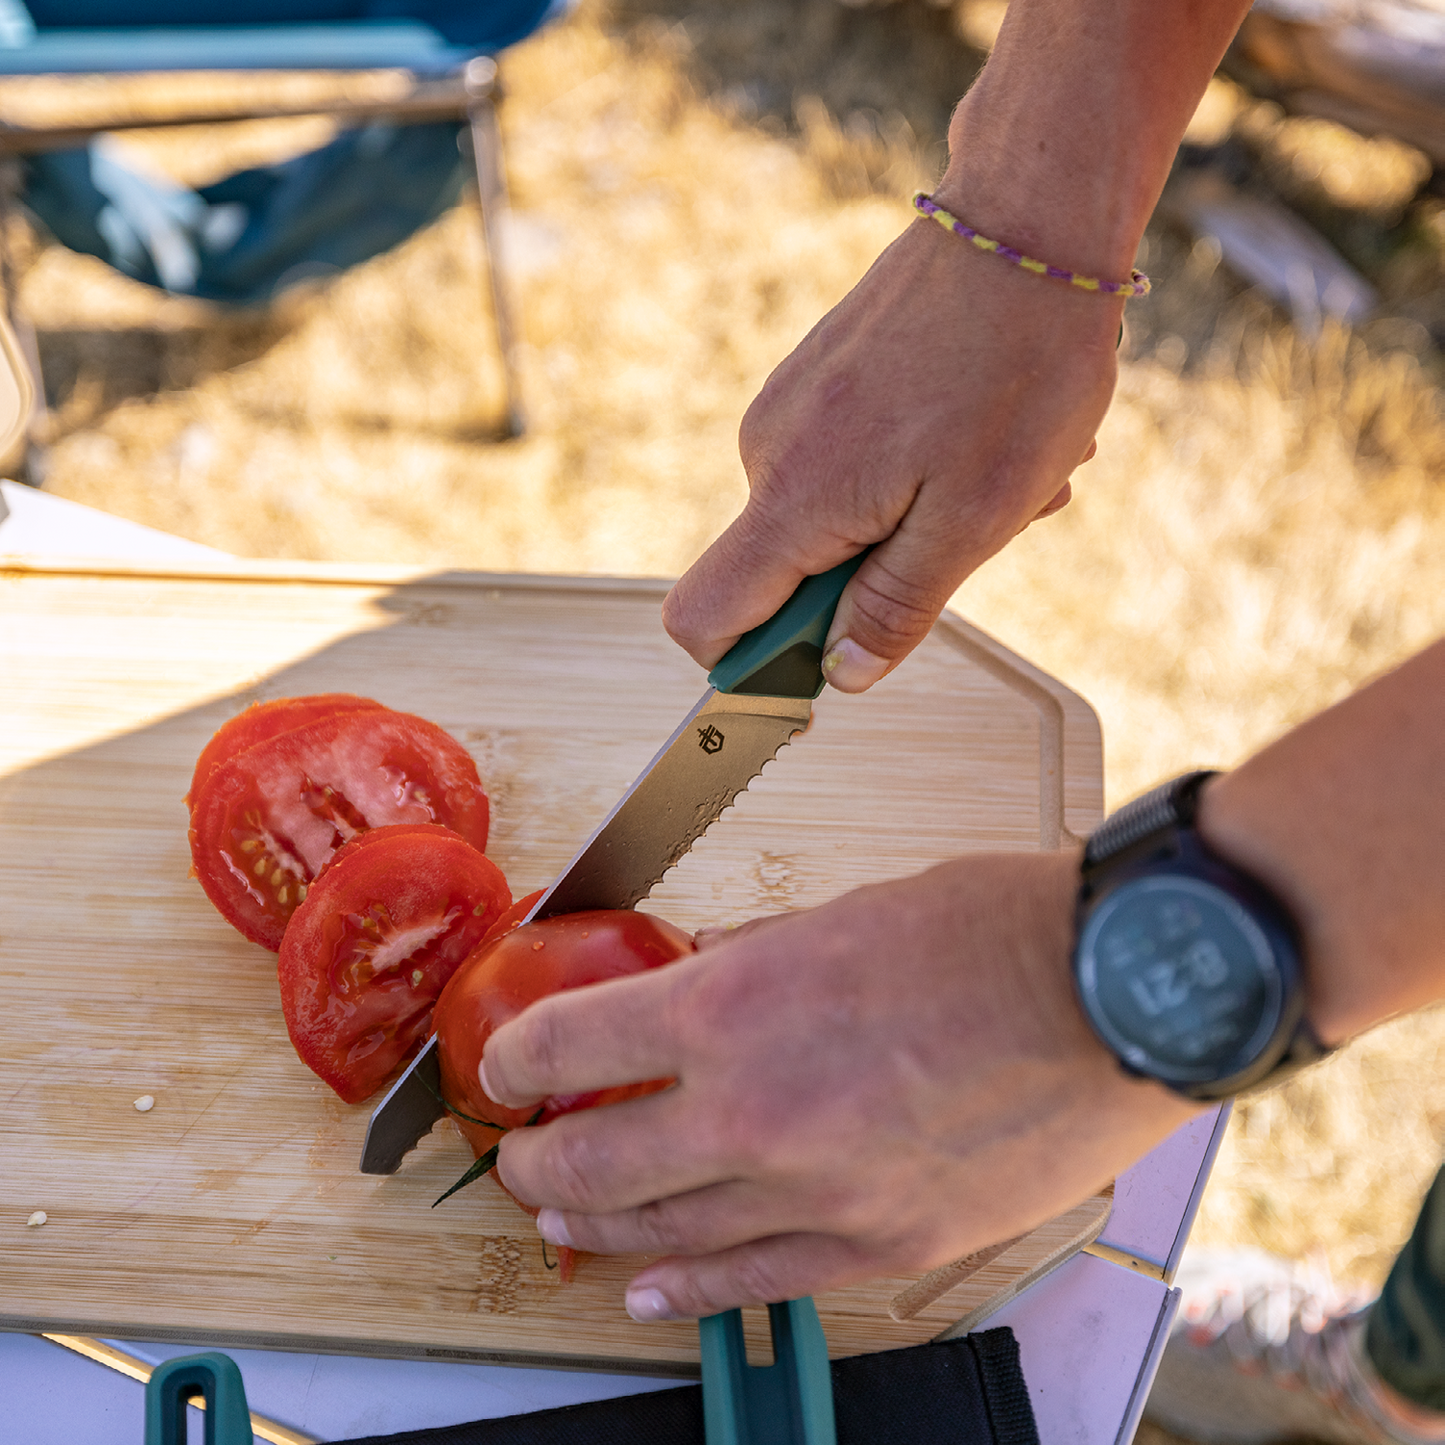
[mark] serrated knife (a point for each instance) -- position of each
(759, 696)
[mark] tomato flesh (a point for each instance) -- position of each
(515, 916)
(268, 820)
(264, 720)
(369, 952)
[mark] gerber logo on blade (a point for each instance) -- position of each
(710, 740)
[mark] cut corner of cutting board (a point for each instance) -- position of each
(1070, 733)
(1038, 1253)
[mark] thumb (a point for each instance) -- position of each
(893, 600)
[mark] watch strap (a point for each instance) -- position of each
(1170, 805)
(1304, 1048)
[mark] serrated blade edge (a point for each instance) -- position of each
(716, 751)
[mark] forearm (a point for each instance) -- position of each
(1063, 145)
(1345, 819)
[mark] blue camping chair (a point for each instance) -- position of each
(394, 167)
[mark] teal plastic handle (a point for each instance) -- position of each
(213, 1375)
(789, 1402)
(783, 656)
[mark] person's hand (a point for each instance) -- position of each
(935, 411)
(877, 1086)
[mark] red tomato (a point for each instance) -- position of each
(515, 966)
(515, 916)
(369, 951)
(263, 720)
(514, 969)
(267, 821)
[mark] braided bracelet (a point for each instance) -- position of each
(1136, 285)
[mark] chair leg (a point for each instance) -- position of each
(481, 84)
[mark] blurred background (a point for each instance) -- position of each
(694, 182)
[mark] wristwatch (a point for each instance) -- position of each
(1188, 968)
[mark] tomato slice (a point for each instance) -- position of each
(395, 830)
(515, 916)
(263, 720)
(513, 969)
(266, 822)
(366, 956)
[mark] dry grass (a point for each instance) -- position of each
(1263, 528)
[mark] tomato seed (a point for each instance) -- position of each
(250, 845)
(276, 877)
(262, 864)
(301, 893)
(281, 895)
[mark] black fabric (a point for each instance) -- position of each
(959, 1392)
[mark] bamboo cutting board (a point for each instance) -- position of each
(233, 1211)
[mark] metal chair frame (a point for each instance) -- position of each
(470, 94)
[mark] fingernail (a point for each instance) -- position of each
(851, 668)
(482, 1080)
(648, 1306)
(551, 1227)
(706, 937)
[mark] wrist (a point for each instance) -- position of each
(1064, 143)
(1342, 820)
(1240, 821)
(1007, 178)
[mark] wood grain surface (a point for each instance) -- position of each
(233, 1211)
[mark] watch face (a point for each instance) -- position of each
(1179, 979)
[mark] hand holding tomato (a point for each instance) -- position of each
(514, 967)
(876, 1086)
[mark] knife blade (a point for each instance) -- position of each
(761, 695)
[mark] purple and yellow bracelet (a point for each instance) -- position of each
(1136, 285)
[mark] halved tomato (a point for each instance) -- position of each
(264, 720)
(267, 821)
(366, 956)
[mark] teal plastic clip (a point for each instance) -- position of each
(212, 1375)
(783, 656)
(789, 1402)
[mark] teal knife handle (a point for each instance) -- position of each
(214, 1375)
(783, 657)
(789, 1402)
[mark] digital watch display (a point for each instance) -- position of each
(1187, 968)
